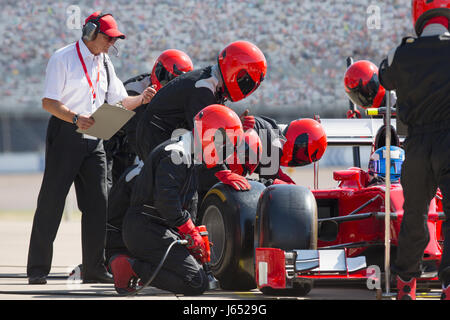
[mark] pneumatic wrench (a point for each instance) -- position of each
(212, 281)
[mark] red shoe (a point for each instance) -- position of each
(445, 293)
(124, 277)
(406, 290)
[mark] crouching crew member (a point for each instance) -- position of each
(240, 69)
(163, 206)
(169, 65)
(121, 148)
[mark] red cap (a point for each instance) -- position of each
(108, 25)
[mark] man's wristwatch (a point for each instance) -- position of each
(75, 119)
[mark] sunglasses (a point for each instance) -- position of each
(110, 39)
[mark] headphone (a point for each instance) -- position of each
(92, 27)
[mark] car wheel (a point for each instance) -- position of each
(229, 217)
(287, 219)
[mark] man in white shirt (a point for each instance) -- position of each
(79, 79)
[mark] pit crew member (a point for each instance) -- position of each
(240, 69)
(163, 204)
(121, 148)
(418, 71)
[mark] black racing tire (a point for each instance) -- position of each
(287, 219)
(229, 217)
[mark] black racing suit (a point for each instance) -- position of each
(163, 198)
(419, 72)
(175, 106)
(271, 138)
(118, 204)
(121, 148)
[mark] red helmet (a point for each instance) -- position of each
(363, 86)
(247, 155)
(424, 10)
(306, 142)
(243, 68)
(169, 65)
(217, 133)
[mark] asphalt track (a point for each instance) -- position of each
(17, 200)
(67, 254)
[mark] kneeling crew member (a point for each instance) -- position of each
(163, 203)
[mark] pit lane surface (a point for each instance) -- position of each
(14, 238)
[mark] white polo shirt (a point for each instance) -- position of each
(66, 81)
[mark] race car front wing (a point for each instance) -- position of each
(279, 269)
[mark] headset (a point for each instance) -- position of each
(92, 27)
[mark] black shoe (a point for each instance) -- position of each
(104, 277)
(37, 280)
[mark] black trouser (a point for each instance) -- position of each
(148, 242)
(118, 204)
(426, 167)
(70, 159)
(117, 159)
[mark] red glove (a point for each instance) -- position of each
(248, 122)
(284, 178)
(235, 180)
(196, 245)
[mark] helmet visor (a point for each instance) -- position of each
(246, 83)
(300, 153)
(218, 147)
(364, 94)
(224, 145)
(163, 75)
(379, 167)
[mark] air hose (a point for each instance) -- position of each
(158, 268)
(70, 293)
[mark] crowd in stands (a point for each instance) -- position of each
(305, 42)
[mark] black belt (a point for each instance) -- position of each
(62, 122)
(72, 126)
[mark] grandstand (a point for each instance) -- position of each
(306, 43)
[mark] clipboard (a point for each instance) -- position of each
(108, 120)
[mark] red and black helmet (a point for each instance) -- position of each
(306, 142)
(424, 10)
(247, 155)
(362, 85)
(243, 68)
(217, 133)
(169, 65)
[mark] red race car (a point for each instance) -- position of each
(282, 237)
